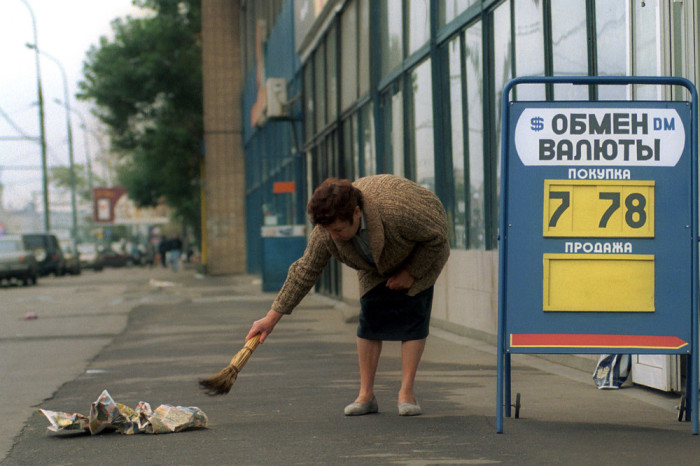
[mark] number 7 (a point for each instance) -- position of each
(614, 205)
(565, 197)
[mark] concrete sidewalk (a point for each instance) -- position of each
(287, 405)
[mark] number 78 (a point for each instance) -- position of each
(635, 204)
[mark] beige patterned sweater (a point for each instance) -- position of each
(407, 228)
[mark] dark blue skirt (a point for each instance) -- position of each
(393, 315)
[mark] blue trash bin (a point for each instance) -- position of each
(281, 246)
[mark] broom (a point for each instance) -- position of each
(221, 383)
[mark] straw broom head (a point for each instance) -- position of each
(221, 383)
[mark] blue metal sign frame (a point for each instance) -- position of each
(671, 325)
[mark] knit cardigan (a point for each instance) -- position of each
(407, 228)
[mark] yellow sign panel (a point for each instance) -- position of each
(598, 282)
(598, 208)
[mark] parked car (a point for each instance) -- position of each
(47, 252)
(89, 257)
(16, 262)
(111, 257)
(71, 256)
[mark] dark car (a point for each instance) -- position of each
(16, 262)
(71, 256)
(117, 258)
(47, 252)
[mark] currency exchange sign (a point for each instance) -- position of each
(599, 227)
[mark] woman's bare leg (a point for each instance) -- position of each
(368, 352)
(411, 352)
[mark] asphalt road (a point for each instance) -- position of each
(76, 317)
(122, 332)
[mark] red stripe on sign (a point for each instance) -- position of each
(577, 340)
(279, 187)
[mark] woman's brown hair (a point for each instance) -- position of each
(333, 200)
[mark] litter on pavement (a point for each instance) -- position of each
(106, 415)
(161, 283)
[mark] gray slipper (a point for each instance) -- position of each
(409, 409)
(358, 409)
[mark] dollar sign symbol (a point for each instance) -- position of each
(537, 123)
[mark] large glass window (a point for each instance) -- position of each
(422, 143)
(368, 157)
(309, 100)
(320, 84)
(418, 30)
(355, 144)
(392, 113)
(363, 31)
(459, 215)
(612, 42)
(569, 47)
(475, 133)
(611, 39)
(351, 165)
(332, 74)
(647, 47)
(348, 64)
(502, 74)
(529, 47)
(391, 34)
(450, 9)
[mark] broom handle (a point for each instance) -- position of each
(250, 345)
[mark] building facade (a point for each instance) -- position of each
(350, 88)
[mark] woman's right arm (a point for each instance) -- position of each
(265, 325)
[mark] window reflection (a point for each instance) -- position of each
(320, 82)
(392, 103)
(502, 74)
(309, 99)
(422, 131)
(647, 33)
(348, 64)
(418, 30)
(397, 154)
(364, 46)
(391, 34)
(473, 58)
(529, 47)
(450, 9)
(455, 79)
(350, 155)
(612, 39)
(367, 144)
(332, 75)
(569, 47)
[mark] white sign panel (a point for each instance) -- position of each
(600, 137)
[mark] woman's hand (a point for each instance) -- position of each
(401, 280)
(265, 325)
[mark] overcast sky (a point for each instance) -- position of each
(66, 29)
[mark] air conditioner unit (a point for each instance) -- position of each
(276, 97)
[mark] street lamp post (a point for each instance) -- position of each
(74, 230)
(84, 127)
(42, 133)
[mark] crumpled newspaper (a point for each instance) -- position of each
(106, 415)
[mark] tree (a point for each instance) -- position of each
(60, 177)
(146, 84)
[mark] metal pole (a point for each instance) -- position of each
(88, 164)
(69, 131)
(88, 159)
(42, 133)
